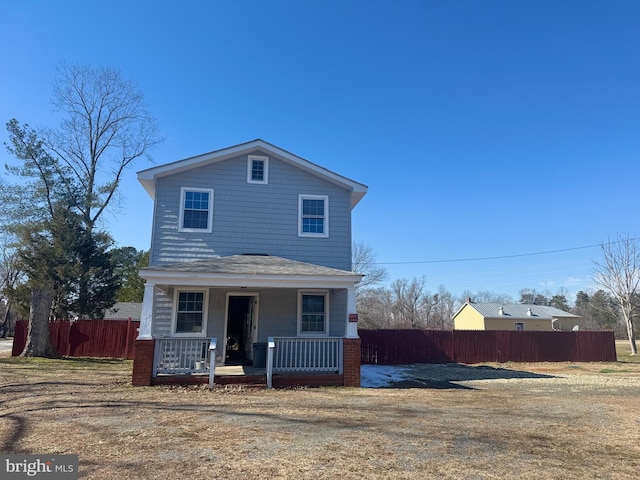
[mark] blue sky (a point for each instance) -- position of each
(482, 128)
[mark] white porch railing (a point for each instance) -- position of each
(300, 354)
(284, 354)
(181, 355)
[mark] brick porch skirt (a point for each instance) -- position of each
(279, 380)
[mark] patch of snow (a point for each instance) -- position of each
(379, 376)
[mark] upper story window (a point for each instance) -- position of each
(313, 316)
(258, 169)
(196, 209)
(313, 216)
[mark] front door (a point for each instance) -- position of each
(242, 329)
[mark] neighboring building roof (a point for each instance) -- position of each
(250, 270)
(518, 311)
(148, 177)
(124, 310)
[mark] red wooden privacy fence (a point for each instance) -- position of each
(393, 347)
(116, 339)
(86, 338)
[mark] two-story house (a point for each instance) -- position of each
(251, 246)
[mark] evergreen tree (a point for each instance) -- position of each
(61, 255)
(127, 261)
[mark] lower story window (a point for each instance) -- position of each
(313, 313)
(190, 314)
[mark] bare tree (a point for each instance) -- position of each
(410, 302)
(442, 309)
(487, 296)
(364, 262)
(619, 274)
(105, 127)
(375, 308)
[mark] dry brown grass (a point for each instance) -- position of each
(560, 421)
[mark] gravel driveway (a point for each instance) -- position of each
(560, 376)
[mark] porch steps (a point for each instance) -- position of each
(245, 380)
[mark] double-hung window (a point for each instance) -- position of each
(190, 312)
(196, 210)
(313, 313)
(313, 216)
(258, 169)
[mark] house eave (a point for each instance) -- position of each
(249, 281)
(149, 176)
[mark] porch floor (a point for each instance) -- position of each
(239, 370)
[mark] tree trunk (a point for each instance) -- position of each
(4, 324)
(38, 342)
(628, 320)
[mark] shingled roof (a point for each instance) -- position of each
(250, 265)
(519, 311)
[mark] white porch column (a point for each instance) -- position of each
(146, 317)
(352, 327)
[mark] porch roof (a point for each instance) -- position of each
(250, 271)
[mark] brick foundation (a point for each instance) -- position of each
(352, 362)
(308, 380)
(143, 363)
(245, 380)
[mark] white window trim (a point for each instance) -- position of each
(209, 228)
(266, 169)
(302, 197)
(326, 313)
(515, 326)
(174, 316)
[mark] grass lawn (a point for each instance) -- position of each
(563, 421)
(623, 352)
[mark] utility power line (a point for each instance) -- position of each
(474, 259)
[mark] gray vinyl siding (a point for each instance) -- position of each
(162, 314)
(337, 313)
(251, 218)
(277, 313)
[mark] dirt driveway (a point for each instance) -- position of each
(459, 422)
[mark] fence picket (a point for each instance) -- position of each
(394, 347)
(86, 338)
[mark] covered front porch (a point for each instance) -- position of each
(248, 319)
